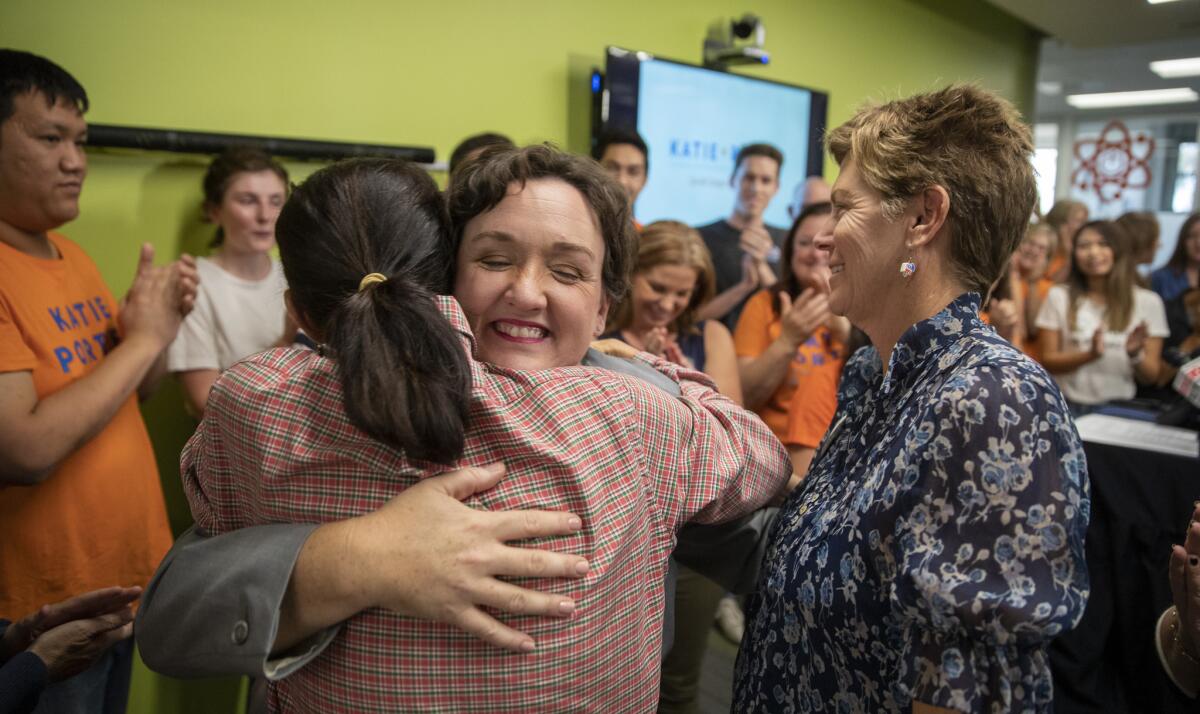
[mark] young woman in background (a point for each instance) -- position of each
(1029, 266)
(239, 306)
(788, 341)
(672, 278)
(1065, 217)
(1100, 333)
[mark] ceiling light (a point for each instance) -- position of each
(1052, 89)
(1170, 69)
(1148, 97)
(1158, 2)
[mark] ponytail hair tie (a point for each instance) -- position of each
(371, 279)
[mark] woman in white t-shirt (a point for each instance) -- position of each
(1099, 332)
(239, 306)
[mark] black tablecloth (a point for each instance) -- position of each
(1141, 503)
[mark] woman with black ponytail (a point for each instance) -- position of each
(398, 393)
(368, 299)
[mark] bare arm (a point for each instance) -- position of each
(1178, 631)
(801, 459)
(149, 384)
(720, 360)
(425, 554)
(36, 435)
(1056, 360)
(197, 383)
(720, 305)
(1150, 367)
(1033, 306)
(187, 280)
(762, 375)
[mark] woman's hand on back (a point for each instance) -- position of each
(447, 558)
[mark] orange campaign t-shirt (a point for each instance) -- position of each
(99, 518)
(810, 386)
(1032, 347)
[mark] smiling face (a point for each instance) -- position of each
(865, 249)
(627, 164)
(528, 277)
(756, 181)
(1034, 252)
(248, 211)
(661, 294)
(810, 265)
(1093, 255)
(42, 163)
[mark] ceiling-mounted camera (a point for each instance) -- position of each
(736, 41)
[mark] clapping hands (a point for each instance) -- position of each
(801, 317)
(69, 636)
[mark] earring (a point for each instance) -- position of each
(907, 269)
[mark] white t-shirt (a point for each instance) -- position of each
(1111, 376)
(233, 319)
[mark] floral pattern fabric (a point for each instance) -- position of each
(936, 546)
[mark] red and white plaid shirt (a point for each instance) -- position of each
(635, 463)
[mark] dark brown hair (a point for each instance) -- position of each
(1142, 229)
(405, 377)
(473, 143)
(758, 150)
(228, 164)
(1179, 258)
(965, 139)
(1119, 285)
(480, 186)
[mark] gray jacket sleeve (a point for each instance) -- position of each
(594, 358)
(730, 554)
(212, 607)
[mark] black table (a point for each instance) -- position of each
(1141, 503)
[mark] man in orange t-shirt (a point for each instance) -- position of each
(81, 506)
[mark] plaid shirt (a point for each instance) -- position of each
(276, 446)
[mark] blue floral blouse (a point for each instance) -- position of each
(936, 546)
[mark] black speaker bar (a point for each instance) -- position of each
(200, 142)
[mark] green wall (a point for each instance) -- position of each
(428, 74)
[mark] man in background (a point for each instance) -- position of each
(623, 154)
(81, 506)
(475, 145)
(813, 190)
(745, 250)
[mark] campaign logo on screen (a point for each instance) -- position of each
(703, 150)
(694, 121)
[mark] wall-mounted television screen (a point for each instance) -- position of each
(694, 120)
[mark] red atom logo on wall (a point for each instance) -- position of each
(1113, 162)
